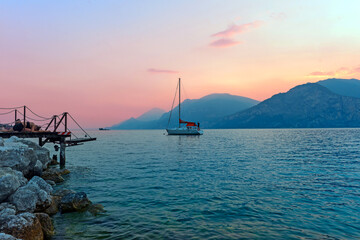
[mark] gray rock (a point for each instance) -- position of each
(52, 183)
(18, 157)
(13, 139)
(25, 226)
(34, 196)
(62, 192)
(73, 202)
(43, 154)
(38, 168)
(10, 181)
(4, 236)
(24, 199)
(54, 207)
(46, 224)
(23, 155)
(96, 209)
(7, 211)
(6, 205)
(53, 175)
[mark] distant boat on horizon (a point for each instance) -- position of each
(185, 127)
(104, 129)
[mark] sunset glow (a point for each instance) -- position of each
(107, 61)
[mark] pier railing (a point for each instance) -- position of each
(51, 128)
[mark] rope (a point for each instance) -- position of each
(47, 118)
(13, 108)
(172, 106)
(39, 120)
(72, 133)
(79, 125)
(7, 112)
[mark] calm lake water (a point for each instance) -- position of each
(226, 184)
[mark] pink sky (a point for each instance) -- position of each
(106, 61)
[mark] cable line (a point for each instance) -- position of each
(78, 125)
(47, 118)
(7, 112)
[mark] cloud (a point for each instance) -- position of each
(161, 71)
(356, 70)
(340, 72)
(224, 42)
(321, 74)
(237, 29)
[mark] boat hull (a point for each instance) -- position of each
(184, 131)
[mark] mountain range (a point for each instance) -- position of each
(327, 103)
(205, 110)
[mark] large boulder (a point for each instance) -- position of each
(46, 224)
(54, 174)
(54, 206)
(18, 156)
(73, 202)
(10, 181)
(43, 154)
(25, 226)
(34, 196)
(38, 168)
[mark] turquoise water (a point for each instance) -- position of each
(226, 184)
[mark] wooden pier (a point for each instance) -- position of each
(64, 139)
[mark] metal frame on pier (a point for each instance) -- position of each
(55, 136)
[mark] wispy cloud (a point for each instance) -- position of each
(322, 74)
(161, 71)
(224, 42)
(237, 29)
(340, 72)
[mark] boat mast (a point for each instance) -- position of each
(179, 101)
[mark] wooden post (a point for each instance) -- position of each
(40, 141)
(15, 115)
(62, 152)
(54, 123)
(24, 117)
(65, 121)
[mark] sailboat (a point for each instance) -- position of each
(185, 127)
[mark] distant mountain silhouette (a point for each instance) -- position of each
(205, 110)
(305, 106)
(144, 121)
(153, 114)
(345, 87)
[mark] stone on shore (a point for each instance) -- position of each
(25, 226)
(54, 206)
(95, 209)
(34, 196)
(54, 174)
(4, 236)
(43, 154)
(52, 183)
(10, 181)
(38, 168)
(46, 224)
(23, 156)
(73, 202)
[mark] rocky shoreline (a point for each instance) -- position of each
(27, 197)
